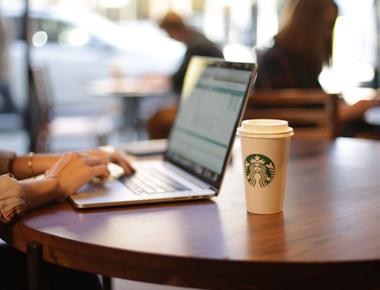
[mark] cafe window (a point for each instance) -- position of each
(354, 60)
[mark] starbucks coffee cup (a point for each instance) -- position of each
(265, 150)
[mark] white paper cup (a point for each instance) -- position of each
(265, 150)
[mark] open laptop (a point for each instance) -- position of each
(199, 145)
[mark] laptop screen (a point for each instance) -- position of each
(208, 115)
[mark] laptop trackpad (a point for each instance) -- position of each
(111, 191)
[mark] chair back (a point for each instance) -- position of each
(38, 110)
(312, 113)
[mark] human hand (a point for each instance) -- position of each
(74, 170)
(113, 156)
(356, 112)
(363, 105)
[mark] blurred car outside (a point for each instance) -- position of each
(76, 47)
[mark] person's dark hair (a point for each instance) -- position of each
(307, 30)
(172, 21)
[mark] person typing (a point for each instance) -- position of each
(34, 180)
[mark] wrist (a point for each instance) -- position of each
(54, 185)
(39, 191)
(51, 184)
(42, 162)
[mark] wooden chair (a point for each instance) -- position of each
(312, 113)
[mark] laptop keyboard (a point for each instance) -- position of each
(149, 180)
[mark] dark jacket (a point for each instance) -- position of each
(198, 45)
(279, 69)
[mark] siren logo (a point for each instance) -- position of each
(259, 169)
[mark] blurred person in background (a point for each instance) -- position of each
(301, 48)
(6, 103)
(62, 175)
(196, 43)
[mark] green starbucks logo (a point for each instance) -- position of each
(259, 169)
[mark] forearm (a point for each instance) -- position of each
(349, 114)
(355, 112)
(39, 191)
(31, 165)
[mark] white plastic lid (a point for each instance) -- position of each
(265, 128)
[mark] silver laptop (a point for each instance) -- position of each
(198, 147)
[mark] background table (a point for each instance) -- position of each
(327, 237)
(131, 91)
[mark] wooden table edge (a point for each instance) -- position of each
(180, 270)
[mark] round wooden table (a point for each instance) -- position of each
(327, 236)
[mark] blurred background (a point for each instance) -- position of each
(61, 63)
(76, 47)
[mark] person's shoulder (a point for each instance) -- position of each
(273, 70)
(205, 49)
(199, 40)
(272, 55)
(201, 44)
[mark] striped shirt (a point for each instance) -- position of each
(12, 200)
